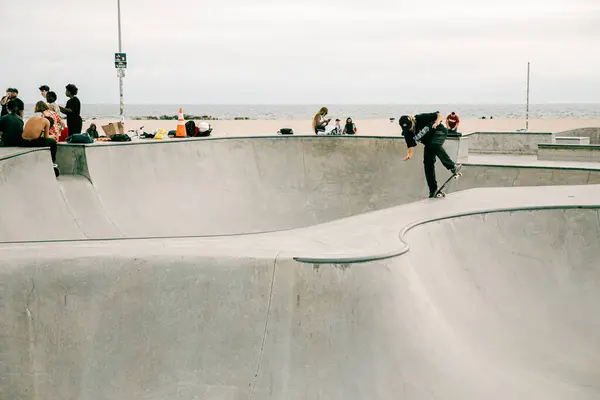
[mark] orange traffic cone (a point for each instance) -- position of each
(180, 125)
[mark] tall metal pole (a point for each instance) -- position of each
(121, 71)
(527, 116)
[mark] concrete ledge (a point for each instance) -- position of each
(507, 142)
(571, 140)
(71, 159)
(592, 133)
(8, 152)
(569, 152)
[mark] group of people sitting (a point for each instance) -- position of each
(45, 129)
(320, 125)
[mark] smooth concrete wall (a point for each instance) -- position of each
(486, 306)
(592, 133)
(507, 142)
(569, 152)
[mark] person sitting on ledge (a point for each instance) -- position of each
(56, 127)
(452, 121)
(11, 126)
(350, 127)
(93, 131)
(35, 133)
(319, 123)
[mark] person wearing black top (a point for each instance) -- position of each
(11, 96)
(428, 129)
(72, 110)
(11, 126)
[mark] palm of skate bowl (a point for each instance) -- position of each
(476, 309)
(226, 186)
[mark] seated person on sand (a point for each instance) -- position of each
(93, 131)
(319, 123)
(349, 128)
(57, 125)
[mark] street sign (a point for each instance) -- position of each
(120, 60)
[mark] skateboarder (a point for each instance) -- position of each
(428, 129)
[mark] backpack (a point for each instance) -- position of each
(190, 128)
(80, 138)
(120, 137)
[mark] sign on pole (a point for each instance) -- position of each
(120, 60)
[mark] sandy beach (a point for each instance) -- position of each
(370, 127)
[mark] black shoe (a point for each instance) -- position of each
(456, 169)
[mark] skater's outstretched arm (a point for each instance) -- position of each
(437, 121)
(411, 143)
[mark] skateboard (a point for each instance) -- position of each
(439, 193)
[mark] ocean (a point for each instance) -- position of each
(342, 111)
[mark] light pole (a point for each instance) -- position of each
(120, 71)
(527, 112)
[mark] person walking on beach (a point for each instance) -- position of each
(428, 129)
(72, 110)
(319, 122)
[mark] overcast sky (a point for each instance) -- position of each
(305, 51)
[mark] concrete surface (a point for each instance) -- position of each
(592, 132)
(569, 152)
(361, 290)
(495, 298)
(507, 142)
(571, 140)
(239, 186)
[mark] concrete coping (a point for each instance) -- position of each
(194, 139)
(18, 151)
(568, 146)
(510, 133)
(531, 166)
(571, 137)
(404, 246)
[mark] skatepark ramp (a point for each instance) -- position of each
(226, 186)
(485, 304)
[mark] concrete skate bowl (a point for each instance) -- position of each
(506, 303)
(226, 186)
(486, 306)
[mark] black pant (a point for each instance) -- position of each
(435, 148)
(41, 142)
(74, 124)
